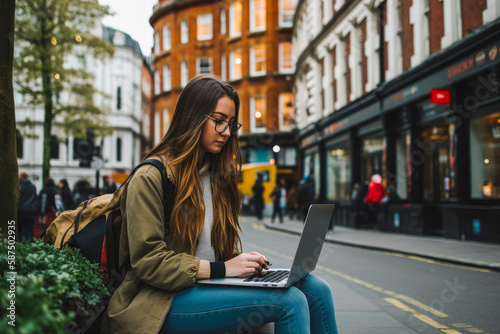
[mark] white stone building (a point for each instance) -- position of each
(119, 78)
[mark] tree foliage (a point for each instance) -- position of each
(58, 40)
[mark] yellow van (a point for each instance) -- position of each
(248, 176)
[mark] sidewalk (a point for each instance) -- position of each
(470, 253)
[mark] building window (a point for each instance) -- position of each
(20, 145)
(235, 65)
(157, 128)
(287, 156)
(204, 26)
(286, 12)
(257, 15)
(145, 125)
(258, 60)
(118, 149)
(222, 21)
(157, 43)
(373, 157)
(157, 83)
(54, 147)
(184, 32)
(258, 114)
(203, 65)
(118, 98)
(287, 111)
(167, 78)
(323, 79)
(485, 156)
(223, 71)
(338, 185)
(235, 19)
(403, 168)
(167, 38)
(426, 28)
(184, 74)
(285, 57)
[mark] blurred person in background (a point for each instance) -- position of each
(109, 186)
(304, 197)
(258, 198)
(50, 207)
(279, 200)
(66, 196)
(374, 196)
(28, 207)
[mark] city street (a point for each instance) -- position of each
(382, 292)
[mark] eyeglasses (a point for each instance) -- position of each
(221, 126)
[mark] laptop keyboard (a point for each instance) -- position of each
(272, 277)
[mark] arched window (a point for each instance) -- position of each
(184, 32)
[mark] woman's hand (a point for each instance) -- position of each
(245, 263)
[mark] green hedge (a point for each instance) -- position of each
(50, 285)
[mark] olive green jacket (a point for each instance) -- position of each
(153, 261)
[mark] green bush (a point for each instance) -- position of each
(50, 285)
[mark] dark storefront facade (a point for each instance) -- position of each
(442, 159)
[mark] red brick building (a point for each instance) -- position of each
(245, 42)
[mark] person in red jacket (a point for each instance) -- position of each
(375, 190)
(373, 197)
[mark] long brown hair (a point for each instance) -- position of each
(181, 148)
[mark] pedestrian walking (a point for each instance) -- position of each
(66, 196)
(291, 201)
(109, 186)
(28, 207)
(202, 158)
(50, 207)
(311, 182)
(279, 200)
(374, 197)
(304, 197)
(258, 197)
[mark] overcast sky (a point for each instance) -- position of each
(132, 17)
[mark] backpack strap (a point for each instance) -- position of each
(111, 249)
(168, 191)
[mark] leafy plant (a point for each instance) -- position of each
(50, 286)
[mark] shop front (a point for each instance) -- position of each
(440, 153)
(338, 150)
(446, 166)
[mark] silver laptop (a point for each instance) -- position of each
(306, 257)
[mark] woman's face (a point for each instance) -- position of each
(211, 140)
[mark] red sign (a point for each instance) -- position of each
(440, 96)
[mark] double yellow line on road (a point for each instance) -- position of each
(394, 298)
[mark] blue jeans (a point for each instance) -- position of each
(306, 307)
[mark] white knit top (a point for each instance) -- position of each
(205, 251)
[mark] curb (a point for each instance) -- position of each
(436, 257)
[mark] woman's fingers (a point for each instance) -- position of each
(246, 263)
(259, 257)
